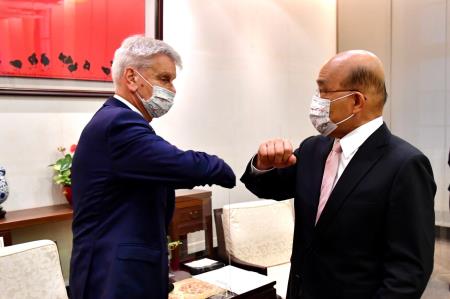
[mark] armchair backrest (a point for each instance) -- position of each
(31, 270)
(259, 232)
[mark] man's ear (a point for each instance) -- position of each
(360, 102)
(130, 79)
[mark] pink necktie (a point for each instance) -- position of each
(329, 175)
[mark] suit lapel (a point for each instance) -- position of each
(365, 158)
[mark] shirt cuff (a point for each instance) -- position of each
(256, 171)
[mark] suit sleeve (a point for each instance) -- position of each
(278, 184)
(408, 257)
(139, 154)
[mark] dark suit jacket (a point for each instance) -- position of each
(375, 237)
(123, 180)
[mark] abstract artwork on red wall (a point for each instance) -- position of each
(66, 39)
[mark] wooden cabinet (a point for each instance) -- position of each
(192, 213)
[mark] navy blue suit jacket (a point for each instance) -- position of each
(123, 180)
(375, 236)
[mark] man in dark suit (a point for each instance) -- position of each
(124, 176)
(364, 215)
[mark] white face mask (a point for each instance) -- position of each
(160, 102)
(319, 114)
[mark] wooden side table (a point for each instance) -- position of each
(29, 217)
(192, 213)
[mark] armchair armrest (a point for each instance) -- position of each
(254, 268)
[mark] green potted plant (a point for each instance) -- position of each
(62, 169)
(172, 245)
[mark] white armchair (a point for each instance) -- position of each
(31, 270)
(259, 234)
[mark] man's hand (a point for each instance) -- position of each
(275, 153)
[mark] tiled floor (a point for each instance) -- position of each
(439, 284)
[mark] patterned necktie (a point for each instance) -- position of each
(329, 176)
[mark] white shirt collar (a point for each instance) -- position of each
(128, 104)
(353, 140)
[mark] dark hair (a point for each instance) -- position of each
(361, 78)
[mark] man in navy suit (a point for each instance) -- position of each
(365, 228)
(124, 178)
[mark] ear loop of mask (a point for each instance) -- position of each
(144, 78)
(344, 96)
(345, 119)
(135, 79)
(351, 115)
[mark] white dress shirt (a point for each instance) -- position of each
(128, 104)
(350, 144)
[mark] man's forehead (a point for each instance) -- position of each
(162, 60)
(163, 67)
(321, 82)
(331, 74)
(323, 78)
(161, 71)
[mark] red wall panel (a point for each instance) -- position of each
(70, 39)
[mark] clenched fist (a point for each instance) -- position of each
(276, 153)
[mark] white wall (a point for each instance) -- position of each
(31, 130)
(412, 39)
(249, 73)
(421, 86)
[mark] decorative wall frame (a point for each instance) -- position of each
(65, 48)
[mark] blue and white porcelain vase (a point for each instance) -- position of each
(4, 190)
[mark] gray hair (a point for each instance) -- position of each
(362, 78)
(136, 51)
